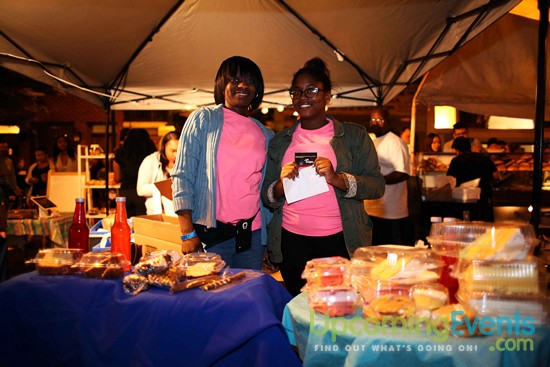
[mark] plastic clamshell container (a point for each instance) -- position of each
(397, 264)
(56, 261)
(378, 271)
(526, 277)
(334, 301)
(506, 308)
(429, 296)
(484, 241)
(104, 265)
(327, 272)
(198, 264)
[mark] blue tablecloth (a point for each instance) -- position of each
(72, 321)
(382, 347)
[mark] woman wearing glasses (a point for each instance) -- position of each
(219, 170)
(332, 223)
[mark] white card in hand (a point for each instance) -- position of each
(306, 185)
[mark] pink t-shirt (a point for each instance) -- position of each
(240, 159)
(318, 215)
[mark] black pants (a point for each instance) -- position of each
(298, 250)
(3, 259)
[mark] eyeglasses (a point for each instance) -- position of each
(377, 120)
(309, 92)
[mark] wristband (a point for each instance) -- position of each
(188, 236)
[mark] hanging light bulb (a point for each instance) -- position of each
(265, 110)
(280, 108)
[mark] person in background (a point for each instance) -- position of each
(37, 176)
(332, 223)
(137, 145)
(64, 155)
(405, 134)
(468, 166)
(154, 168)
(8, 181)
(21, 174)
(220, 167)
(432, 144)
(461, 130)
(390, 213)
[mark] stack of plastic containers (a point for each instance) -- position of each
(329, 286)
(496, 273)
(397, 281)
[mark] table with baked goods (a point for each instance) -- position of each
(351, 341)
(55, 227)
(68, 320)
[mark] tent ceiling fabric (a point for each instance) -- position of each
(90, 42)
(504, 86)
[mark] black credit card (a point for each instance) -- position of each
(305, 159)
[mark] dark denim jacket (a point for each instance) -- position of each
(356, 155)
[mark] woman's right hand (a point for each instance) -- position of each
(289, 170)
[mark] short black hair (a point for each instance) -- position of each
(460, 125)
(462, 144)
(238, 65)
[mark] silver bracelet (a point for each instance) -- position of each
(351, 182)
(270, 189)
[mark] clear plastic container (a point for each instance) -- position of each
(104, 265)
(334, 301)
(506, 309)
(327, 272)
(392, 270)
(56, 261)
(198, 264)
(485, 241)
(525, 277)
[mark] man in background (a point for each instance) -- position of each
(390, 214)
(468, 166)
(461, 130)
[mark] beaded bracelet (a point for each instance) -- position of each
(188, 236)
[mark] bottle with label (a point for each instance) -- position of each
(120, 231)
(79, 232)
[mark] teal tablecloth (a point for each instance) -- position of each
(382, 347)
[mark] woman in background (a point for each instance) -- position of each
(432, 144)
(37, 176)
(137, 145)
(154, 168)
(64, 156)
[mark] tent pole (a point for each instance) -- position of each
(539, 112)
(107, 151)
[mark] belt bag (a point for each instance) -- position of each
(242, 232)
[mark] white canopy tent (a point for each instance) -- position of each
(163, 54)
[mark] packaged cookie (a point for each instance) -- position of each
(103, 265)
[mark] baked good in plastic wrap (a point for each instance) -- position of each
(199, 264)
(327, 272)
(334, 301)
(389, 308)
(134, 283)
(104, 265)
(379, 270)
(520, 278)
(483, 241)
(56, 261)
(429, 296)
(157, 262)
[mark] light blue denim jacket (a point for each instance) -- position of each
(355, 156)
(194, 173)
